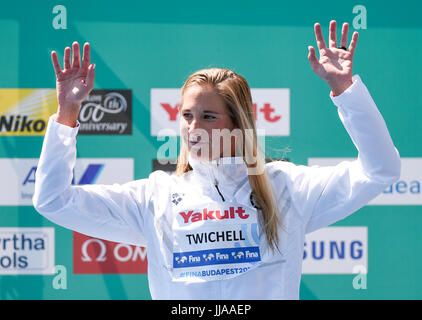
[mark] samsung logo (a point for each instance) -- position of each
(335, 250)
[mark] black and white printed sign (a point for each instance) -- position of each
(106, 112)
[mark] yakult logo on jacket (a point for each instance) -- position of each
(207, 214)
(271, 106)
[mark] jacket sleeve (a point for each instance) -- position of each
(111, 212)
(328, 194)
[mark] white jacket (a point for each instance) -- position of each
(142, 212)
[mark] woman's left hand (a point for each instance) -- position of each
(335, 65)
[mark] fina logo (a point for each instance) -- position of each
(208, 257)
(239, 255)
(181, 260)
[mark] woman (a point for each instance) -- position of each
(221, 227)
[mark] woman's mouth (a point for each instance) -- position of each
(194, 141)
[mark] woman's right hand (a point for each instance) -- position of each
(73, 83)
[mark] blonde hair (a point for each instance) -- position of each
(236, 93)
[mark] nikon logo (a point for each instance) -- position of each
(21, 124)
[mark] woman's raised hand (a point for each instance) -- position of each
(335, 64)
(73, 83)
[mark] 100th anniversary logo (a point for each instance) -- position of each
(106, 112)
(25, 112)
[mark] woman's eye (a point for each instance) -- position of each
(207, 117)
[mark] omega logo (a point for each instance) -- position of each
(121, 252)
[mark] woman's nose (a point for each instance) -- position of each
(194, 125)
(196, 131)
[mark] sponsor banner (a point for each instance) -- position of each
(25, 112)
(106, 112)
(336, 250)
(96, 256)
(26, 251)
(405, 191)
(271, 106)
(18, 176)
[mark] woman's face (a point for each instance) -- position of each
(204, 112)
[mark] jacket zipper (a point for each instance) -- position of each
(216, 185)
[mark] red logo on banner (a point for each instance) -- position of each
(96, 256)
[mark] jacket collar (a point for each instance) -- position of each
(223, 171)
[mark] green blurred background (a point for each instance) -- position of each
(140, 45)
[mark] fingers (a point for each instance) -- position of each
(90, 77)
(319, 38)
(66, 59)
(354, 42)
(312, 57)
(76, 58)
(76, 55)
(344, 35)
(333, 34)
(333, 37)
(86, 56)
(56, 63)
